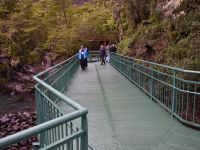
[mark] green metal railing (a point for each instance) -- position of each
(55, 129)
(175, 89)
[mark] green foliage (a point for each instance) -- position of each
(127, 43)
(85, 23)
(184, 37)
(29, 27)
(6, 7)
(143, 33)
(185, 53)
(124, 46)
(154, 30)
(59, 26)
(34, 58)
(184, 26)
(181, 34)
(137, 10)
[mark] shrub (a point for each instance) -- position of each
(185, 53)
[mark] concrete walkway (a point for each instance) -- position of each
(121, 117)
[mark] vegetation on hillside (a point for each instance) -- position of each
(171, 28)
(29, 29)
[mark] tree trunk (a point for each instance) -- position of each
(64, 12)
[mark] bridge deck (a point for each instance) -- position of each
(121, 117)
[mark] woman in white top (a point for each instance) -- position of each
(108, 53)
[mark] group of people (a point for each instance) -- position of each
(104, 52)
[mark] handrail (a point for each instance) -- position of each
(186, 91)
(39, 74)
(161, 65)
(62, 96)
(165, 85)
(11, 139)
(53, 124)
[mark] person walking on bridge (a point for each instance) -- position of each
(102, 52)
(108, 53)
(86, 55)
(82, 55)
(113, 48)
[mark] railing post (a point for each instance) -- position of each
(84, 138)
(139, 75)
(37, 105)
(152, 82)
(124, 64)
(129, 65)
(174, 101)
(38, 118)
(119, 63)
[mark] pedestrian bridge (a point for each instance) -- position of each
(132, 105)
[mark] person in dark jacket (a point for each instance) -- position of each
(86, 55)
(82, 55)
(102, 52)
(113, 48)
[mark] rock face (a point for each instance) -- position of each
(14, 122)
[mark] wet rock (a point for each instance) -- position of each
(15, 122)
